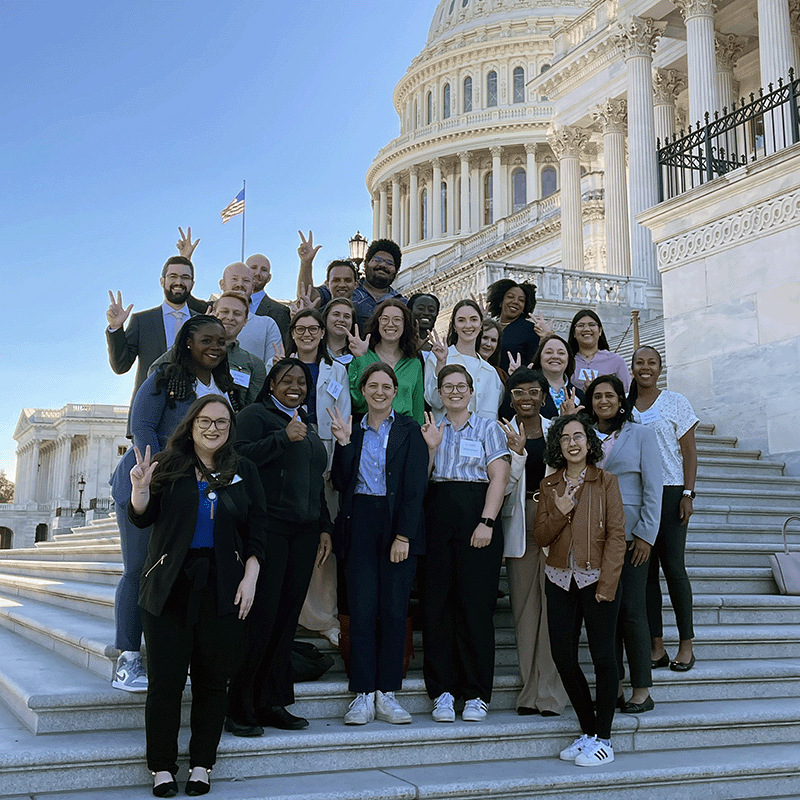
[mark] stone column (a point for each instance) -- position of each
(452, 182)
(413, 205)
(396, 208)
(637, 40)
(567, 142)
(729, 47)
(531, 178)
(435, 206)
(384, 211)
(612, 116)
(33, 479)
(464, 159)
(776, 50)
(667, 85)
(376, 216)
(699, 18)
(498, 212)
(475, 210)
(61, 468)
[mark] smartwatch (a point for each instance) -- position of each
(487, 521)
(689, 493)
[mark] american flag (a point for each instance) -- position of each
(234, 208)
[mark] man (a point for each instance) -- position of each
(152, 332)
(247, 370)
(261, 304)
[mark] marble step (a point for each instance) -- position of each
(103, 572)
(719, 466)
(73, 552)
(719, 515)
(96, 599)
(764, 530)
(730, 554)
(749, 499)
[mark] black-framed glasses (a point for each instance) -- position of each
(460, 388)
(302, 330)
(204, 423)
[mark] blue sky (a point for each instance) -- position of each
(123, 121)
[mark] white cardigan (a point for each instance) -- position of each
(329, 376)
(487, 392)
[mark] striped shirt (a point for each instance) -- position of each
(371, 477)
(464, 454)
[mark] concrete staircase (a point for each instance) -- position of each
(730, 728)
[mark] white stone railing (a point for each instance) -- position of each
(582, 27)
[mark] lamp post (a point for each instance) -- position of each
(81, 487)
(358, 248)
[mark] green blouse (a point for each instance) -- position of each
(410, 398)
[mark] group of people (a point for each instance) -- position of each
(288, 465)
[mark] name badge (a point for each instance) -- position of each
(240, 378)
(470, 448)
(334, 389)
(650, 416)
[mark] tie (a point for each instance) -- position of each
(176, 326)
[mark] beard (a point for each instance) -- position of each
(380, 280)
(177, 295)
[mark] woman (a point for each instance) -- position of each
(328, 390)
(556, 362)
(390, 338)
(469, 464)
(339, 316)
(463, 341)
(592, 355)
(542, 690)
(672, 419)
(207, 510)
(197, 366)
(274, 433)
(581, 519)
(381, 470)
(510, 303)
(631, 453)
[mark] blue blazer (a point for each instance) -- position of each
(636, 462)
(406, 484)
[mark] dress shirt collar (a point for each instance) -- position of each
(366, 426)
(449, 424)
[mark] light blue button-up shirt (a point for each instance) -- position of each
(371, 477)
(171, 324)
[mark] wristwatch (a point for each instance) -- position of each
(487, 521)
(689, 493)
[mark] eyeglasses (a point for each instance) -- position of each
(385, 262)
(390, 320)
(578, 438)
(518, 394)
(204, 423)
(304, 329)
(460, 388)
(582, 325)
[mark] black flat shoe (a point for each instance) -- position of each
(661, 662)
(166, 789)
(196, 788)
(526, 711)
(279, 717)
(237, 729)
(638, 708)
(547, 713)
(621, 702)
(682, 666)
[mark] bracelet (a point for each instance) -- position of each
(689, 493)
(401, 539)
(487, 521)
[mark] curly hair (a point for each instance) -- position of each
(387, 246)
(623, 415)
(497, 291)
(452, 334)
(554, 457)
(322, 347)
(602, 343)
(536, 364)
(177, 377)
(408, 339)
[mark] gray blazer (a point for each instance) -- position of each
(636, 462)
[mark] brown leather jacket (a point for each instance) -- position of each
(595, 528)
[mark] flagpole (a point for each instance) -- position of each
(244, 197)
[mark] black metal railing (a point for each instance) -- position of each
(769, 122)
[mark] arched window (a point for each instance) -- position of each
(443, 223)
(464, 3)
(450, 10)
(467, 94)
(429, 108)
(519, 85)
(549, 184)
(6, 537)
(41, 532)
(519, 189)
(488, 213)
(491, 89)
(423, 234)
(446, 101)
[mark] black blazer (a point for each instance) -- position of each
(278, 311)
(406, 484)
(173, 515)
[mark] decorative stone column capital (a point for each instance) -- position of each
(413, 172)
(496, 151)
(436, 163)
(667, 85)
(612, 116)
(794, 16)
(567, 140)
(530, 148)
(638, 37)
(463, 155)
(728, 47)
(696, 8)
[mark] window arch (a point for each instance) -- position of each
(488, 210)
(6, 538)
(41, 533)
(519, 189)
(423, 222)
(450, 10)
(491, 89)
(443, 221)
(446, 101)
(467, 94)
(429, 108)
(549, 181)
(519, 85)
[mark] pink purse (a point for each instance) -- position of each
(786, 566)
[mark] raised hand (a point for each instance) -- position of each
(304, 298)
(142, 472)
(516, 441)
(439, 349)
(431, 433)
(541, 325)
(306, 250)
(117, 315)
(280, 352)
(571, 405)
(341, 428)
(185, 245)
(514, 362)
(295, 428)
(566, 502)
(358, 346)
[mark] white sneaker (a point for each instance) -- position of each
(388, 709)
(130, 675)
(332, 635)
(362, 710)
(474, 710)
(443, 710)
(594, 754)
(576, 748)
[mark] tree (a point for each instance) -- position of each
(6, 488)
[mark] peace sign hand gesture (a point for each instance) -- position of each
(280, 351)
(516, 441)
(540, 324)
(340, 428)
(431, 433)
(358, 346)
(571, 404)
(117, 315)
(439, 349)
(185, 245)
(306, 250)
(514, 362)
(142, 473)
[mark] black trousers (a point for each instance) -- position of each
(378, 598)
(460, 593)
(264, 679)
(632, 628)
(208, 645)
(669, 553)
(566, 610)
